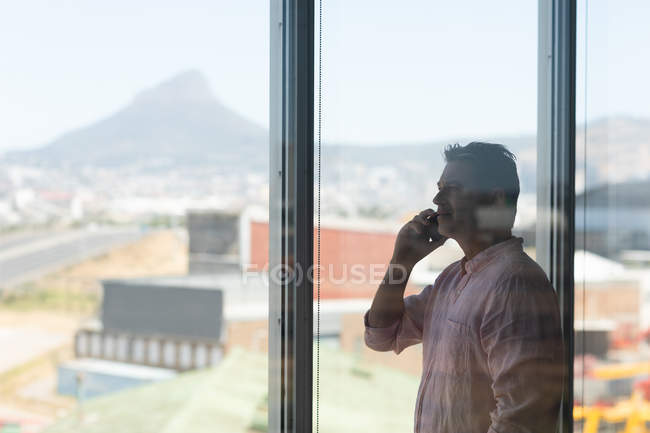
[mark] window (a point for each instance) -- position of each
(191, 239)
(611, 293)
(133, 216)
(291, 235)
(397, 86)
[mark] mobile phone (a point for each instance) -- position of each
(432, 228)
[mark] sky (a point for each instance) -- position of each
(431, 71)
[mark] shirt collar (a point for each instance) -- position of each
(485, 256)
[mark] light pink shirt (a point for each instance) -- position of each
(492, 345)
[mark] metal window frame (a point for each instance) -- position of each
(291, 215)
(555, 244)
(291, 196)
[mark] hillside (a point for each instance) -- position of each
(178, 122)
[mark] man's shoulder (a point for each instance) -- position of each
(514, 265)
(519, 269)
(523, 264)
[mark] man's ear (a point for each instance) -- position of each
(499, 197)
(494, 214)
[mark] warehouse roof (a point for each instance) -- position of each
(231, 398)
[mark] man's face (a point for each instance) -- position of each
(457, 200)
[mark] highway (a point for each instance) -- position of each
(27, 256)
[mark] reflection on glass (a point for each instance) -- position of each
(612, 260)
(133, 182)
(476, 341)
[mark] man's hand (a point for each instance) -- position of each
(417, 238)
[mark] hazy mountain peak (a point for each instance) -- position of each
(177, 120)
(187, 86)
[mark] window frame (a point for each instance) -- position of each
(291, 215)
(555, 229)
(291, 198)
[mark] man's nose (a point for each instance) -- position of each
(436, 199)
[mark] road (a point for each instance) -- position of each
(27, 256)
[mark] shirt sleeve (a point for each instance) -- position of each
(521, 335)
(406, 331)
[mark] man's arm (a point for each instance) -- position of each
(414, 242)
(384, 321)
(388, 303)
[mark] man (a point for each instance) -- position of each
(490, 324)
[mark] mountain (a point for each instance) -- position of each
(177, 122)
(422, 161)
(180, 123)
(617, 150)
(626, 195)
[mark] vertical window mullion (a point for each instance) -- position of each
(291, 215)
(555, 242)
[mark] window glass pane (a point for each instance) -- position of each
(612, 280)
(398, 85)
(133, 216)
